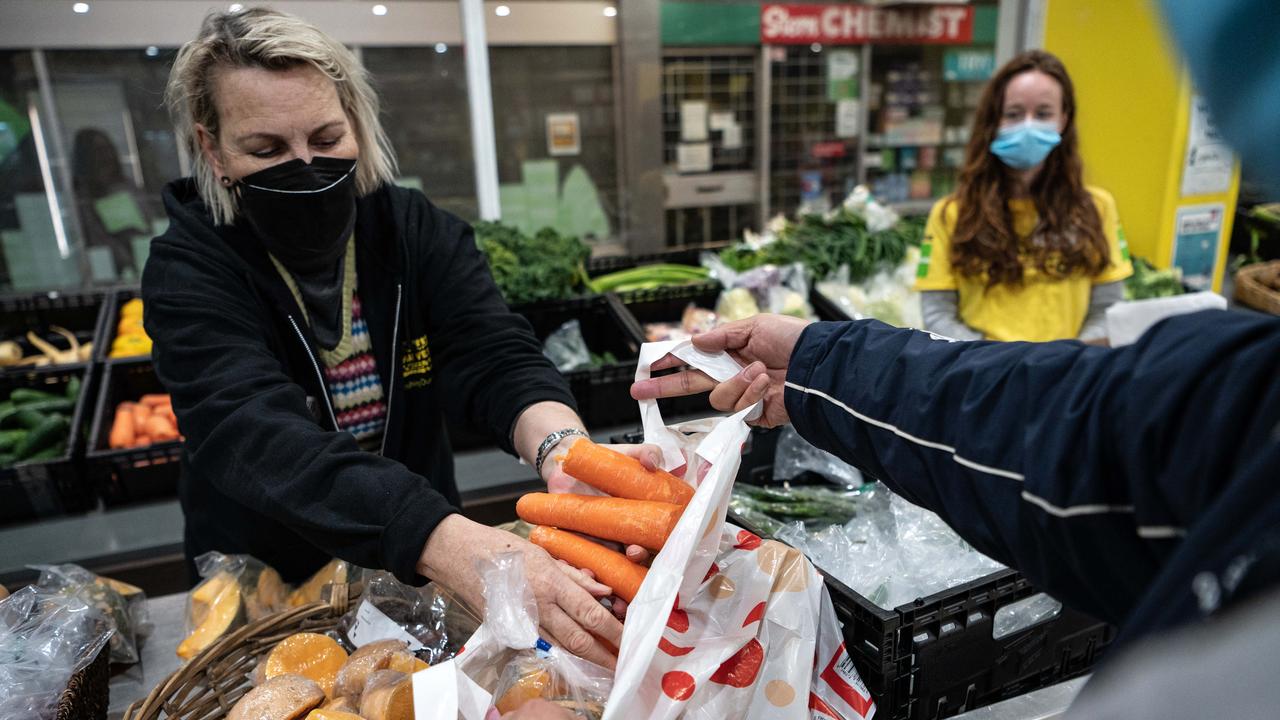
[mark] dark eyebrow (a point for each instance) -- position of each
(269, 136)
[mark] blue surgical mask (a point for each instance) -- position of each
(1025, 145)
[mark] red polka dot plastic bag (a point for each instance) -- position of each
(726, 625)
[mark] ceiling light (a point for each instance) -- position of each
(502, 11)
(816, 47)
(152, 51)
(235, 7)
(611, 11)
(379, 9)
(441, 48)
(81, 7)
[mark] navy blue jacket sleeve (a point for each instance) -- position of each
(1083, 467)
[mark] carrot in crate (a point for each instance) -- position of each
(611, 568)
(122, 428)
(613, 473)
(630, 522)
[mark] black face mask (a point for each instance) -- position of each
(302, 213)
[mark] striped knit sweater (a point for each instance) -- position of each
(354, 386)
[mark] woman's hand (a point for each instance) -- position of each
(568, 609)
(763, 343)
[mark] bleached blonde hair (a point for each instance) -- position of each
(265, 38)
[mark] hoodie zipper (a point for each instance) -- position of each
(391, 378)
(324, 387)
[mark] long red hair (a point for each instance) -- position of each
(1069, 237)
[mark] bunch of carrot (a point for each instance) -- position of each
(149, 420)
(643, 509)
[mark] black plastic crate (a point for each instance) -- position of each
(111, 321)
(937, 656)
(668, 305)
(129, 475)
(603, 394)
(48, 488)
(80, 313)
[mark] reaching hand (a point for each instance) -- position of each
(568, 608)
(763, 343)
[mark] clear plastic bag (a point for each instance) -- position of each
(566, 348)
(46, 636)
(128, 615)
(431, 620)
(537, 670)
(769, 288)
(892, 552)
(236, 589)
(795, 455)
(888, 296)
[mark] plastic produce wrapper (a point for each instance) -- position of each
(769, 288)
(725, 624)
(795, 455)
(888, 296)
(566, 348)
(124, 605)
(505, 663)
(430, 619)
(46, 636)
(892, 552)
(235, 589)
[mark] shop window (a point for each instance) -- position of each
(554, 125)
(426, 116)
(120, 149)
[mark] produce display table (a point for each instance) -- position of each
(159, 660)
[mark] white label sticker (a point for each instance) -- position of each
(372, 625)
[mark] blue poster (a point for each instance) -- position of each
(1197, 233)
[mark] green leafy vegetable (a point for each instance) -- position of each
(547, 266)
(1147, 282)
(824, 243)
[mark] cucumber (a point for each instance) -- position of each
(9, 439)
(53, 452)
(26, 396)
(50, 431)
(50, 406)
(27, 418)
(73, 388)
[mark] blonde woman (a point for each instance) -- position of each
(314, 322)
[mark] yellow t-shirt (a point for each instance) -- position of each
(1043, 307)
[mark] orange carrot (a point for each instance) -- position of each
(155, 400)
(630, 522)
(140, 415)
(122, 427)
(623, 476)
(160, 429)
(611, 568)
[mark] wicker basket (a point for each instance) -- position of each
(209, 685)
(86, 696)
(1258, 286)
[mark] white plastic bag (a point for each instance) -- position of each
(725, 624)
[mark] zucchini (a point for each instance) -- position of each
(73, 389)
(50, 431)
(9, 439)
(26, 396)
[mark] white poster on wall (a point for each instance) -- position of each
(848, 118)
(1209, 161)
(693, 120)
(563, 135)
(693, 157)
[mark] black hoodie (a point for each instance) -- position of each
(264, 469)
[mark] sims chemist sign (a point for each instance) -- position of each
(787, 24)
